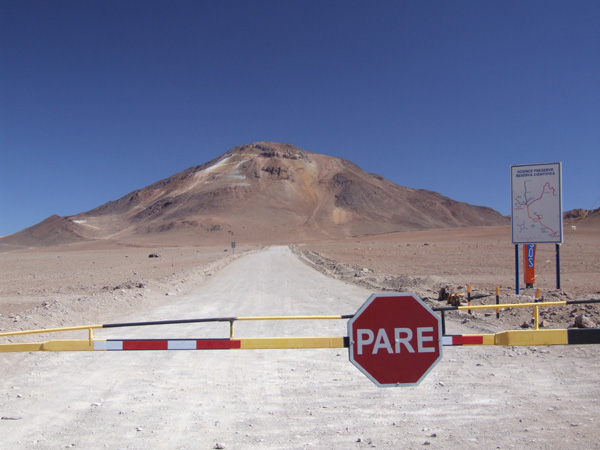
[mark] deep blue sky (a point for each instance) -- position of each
(99, 98)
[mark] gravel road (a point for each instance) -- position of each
(488, 397)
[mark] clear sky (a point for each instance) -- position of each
(99, 98)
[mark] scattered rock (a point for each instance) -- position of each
(153, 255)
(583, 321)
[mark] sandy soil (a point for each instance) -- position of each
(488, 397)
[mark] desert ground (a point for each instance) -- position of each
(476, 397)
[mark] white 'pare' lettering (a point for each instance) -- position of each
(402, 338)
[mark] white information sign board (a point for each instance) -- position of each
(536, 209)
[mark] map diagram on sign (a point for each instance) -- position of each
(536, 204)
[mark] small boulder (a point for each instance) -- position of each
(583, 321)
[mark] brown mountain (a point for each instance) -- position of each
(582, 216)
(261, 192)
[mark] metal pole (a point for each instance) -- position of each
(517, 281)
(498, 301)
(557, 266)
(443, 323)
(469, 297)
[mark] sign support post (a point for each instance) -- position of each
(557, 266)
(517, 264)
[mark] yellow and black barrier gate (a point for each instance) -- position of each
(377, 334)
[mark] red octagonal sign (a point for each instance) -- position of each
(395, 339)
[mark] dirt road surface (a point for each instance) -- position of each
(487, 397)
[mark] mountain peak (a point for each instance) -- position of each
(268, 149)
(267, 192)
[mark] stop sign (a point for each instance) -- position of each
(395, 339)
